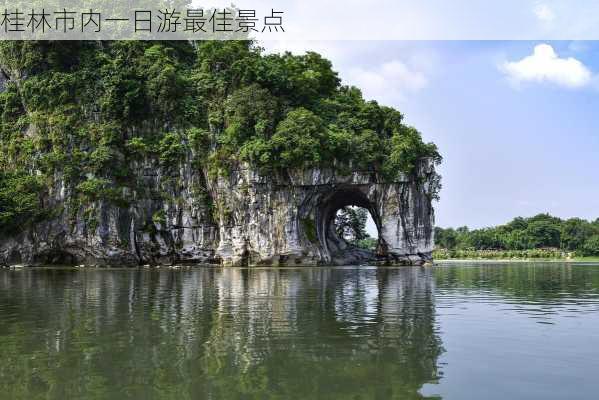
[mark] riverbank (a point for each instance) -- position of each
(437, 261)
(580, 260)
(533, 255)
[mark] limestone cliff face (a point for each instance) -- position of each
(179, 215)
(288, 220)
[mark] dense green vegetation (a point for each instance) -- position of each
(87, 111)
(541, 236)
(18, 199)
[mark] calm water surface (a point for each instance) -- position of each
(512, 331)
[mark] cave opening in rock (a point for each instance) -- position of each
(356, 227)
(351, 227)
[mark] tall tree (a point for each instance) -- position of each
(350, 224)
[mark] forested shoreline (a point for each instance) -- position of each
(540, 236)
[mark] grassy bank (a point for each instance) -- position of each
(508, 255)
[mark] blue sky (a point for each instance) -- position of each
(517, 127)
(428, 19)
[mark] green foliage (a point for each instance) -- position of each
(171, 148)
(250, 112)
(286, 111)
(94, 189)
(298, 139)
(574, 233)
(309, 228)
(446, 238)
(543, 233)
(368, 243)
(302, 79)
(521, 235)
(473, 254)
(350, 224)
(591, 246)
(100, 158)
(138, 147)
(20, 201)
(159, 217)
(406, 148)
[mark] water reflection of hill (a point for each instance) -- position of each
(217, 333)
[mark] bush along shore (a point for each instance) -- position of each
(540, 237)
(509, 255)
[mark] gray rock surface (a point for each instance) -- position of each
(180, 215)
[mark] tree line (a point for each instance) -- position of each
(540, 232)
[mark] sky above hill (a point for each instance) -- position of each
(426, 19)
(515, 121)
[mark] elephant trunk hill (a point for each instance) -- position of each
(129, 153)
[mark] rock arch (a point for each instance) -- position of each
(287, 220)
(335, 248)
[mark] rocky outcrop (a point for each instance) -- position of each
(288, 220)
(180, 215)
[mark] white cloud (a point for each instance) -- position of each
(544, 65)
(544, 13)
(388, 82)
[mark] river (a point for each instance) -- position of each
(456, 331)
